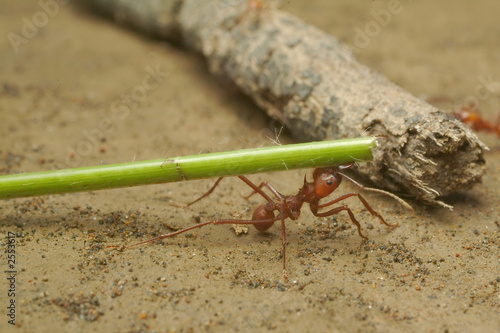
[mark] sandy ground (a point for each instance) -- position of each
(60, 90)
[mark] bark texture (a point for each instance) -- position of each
(311, 83)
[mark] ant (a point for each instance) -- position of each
(257, 5)
(325, 181)
(255, 10)
(471, 115)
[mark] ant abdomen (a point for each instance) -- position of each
(261, 213)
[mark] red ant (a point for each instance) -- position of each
(257, 5)
(255, 9)
(470, 115)
(326, 180)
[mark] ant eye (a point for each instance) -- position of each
(329, 182)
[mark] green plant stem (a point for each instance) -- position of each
(231, 163)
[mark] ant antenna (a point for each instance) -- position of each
(376, 190)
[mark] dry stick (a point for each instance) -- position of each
(310, 82)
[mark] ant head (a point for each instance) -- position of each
(326, 181)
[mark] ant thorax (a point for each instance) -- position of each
(307, 192)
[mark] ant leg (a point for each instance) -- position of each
(278, 195)
(283, 240)
(374, 213)
(365, 203)
(257, 189)
(497, 125)
(376, 190)
(228, 221)
(339, 209)
(207, 193)
(246, 197)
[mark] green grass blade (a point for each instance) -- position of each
(231, 163)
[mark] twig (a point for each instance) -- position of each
(311, 83)
(231, 163)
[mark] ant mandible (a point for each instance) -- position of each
(325, 181)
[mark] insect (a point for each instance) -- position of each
(325, 181)
(255, 10)
(471, 115)
(257, 5)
